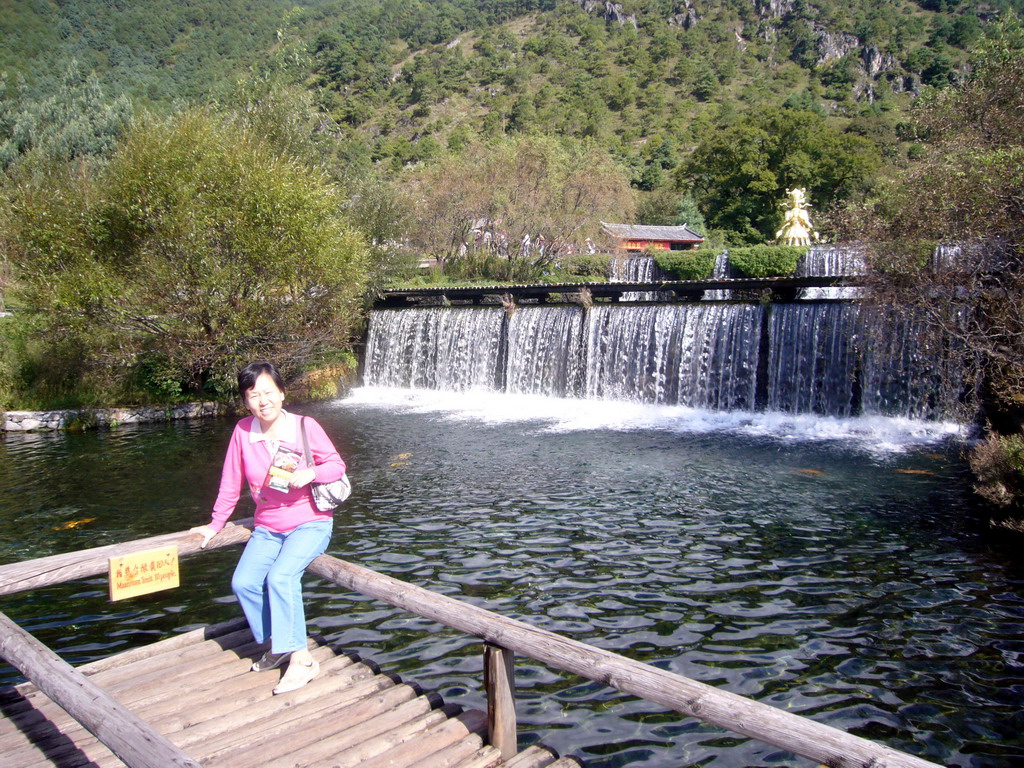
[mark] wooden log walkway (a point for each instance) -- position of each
(196, 684)
(197, 690)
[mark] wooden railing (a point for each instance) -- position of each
(503, 638)
(134, 741)
(124, 733)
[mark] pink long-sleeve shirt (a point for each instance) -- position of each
(248, 461)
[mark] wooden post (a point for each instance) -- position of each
(499, 682)
(132, 739)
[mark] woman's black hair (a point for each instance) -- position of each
(248, 375)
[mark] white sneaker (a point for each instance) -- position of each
(302, 668)
(269, 661)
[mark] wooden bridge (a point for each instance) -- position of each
(776, 288)
(196, 690)
(191, 700)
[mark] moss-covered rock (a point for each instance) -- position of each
(325, 383)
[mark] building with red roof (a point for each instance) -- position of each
(634, 238)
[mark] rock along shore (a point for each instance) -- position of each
(90, 418)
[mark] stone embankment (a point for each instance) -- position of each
(89, 418)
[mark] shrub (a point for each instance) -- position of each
(197, 249)
(325, 383)
(998, 466)
(766, 260)
(39, 373)
(902, 256)
(484, 266)
(157, 379)
(687, 265)
(9, 343)
(553, 278)
(585, 265)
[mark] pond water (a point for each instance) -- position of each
(835, 569)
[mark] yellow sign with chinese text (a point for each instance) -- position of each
(143, 572)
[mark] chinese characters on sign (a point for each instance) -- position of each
(143, 572)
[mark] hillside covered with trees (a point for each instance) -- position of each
(416, 117)
(678, 92)
(187, 185)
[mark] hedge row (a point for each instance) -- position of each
(754, 261)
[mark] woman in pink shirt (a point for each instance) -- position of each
(290, 532)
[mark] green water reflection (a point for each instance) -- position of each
(852, 588)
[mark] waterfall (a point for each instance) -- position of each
(721, 271)
(949, 256)
(811, 366)
(699, 355)
(819, 261)
(543, 351)
(831, 260)
(829, 358)
(909, 372)
(639, 269)
(434, 348)
(974, 255)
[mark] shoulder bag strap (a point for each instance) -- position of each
(305, 442)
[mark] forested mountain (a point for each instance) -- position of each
(156, 50)
(680, 92)
(405, 70)
(169, 169)
(629, 71)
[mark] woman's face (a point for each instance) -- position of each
(264, 400)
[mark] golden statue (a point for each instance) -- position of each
(796, 227)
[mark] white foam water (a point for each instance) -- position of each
(873, 434)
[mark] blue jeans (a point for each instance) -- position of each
(268, 582)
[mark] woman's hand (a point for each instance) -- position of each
(206, 532)
(302, 477)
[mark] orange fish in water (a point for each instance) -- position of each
(399, 463)
(73, 524)
(914, 472)
(810, 471)
(401, 456)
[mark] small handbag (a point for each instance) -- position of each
(326, 496)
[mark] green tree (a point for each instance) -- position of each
(665, 207)
(740, 174)
(705, 82)
(376, 209)
(287, 117)
(688, 214)
(75, 121)
(657, 207)
(966, 191)
(522, 115)
(525, 185)
(195, 249)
